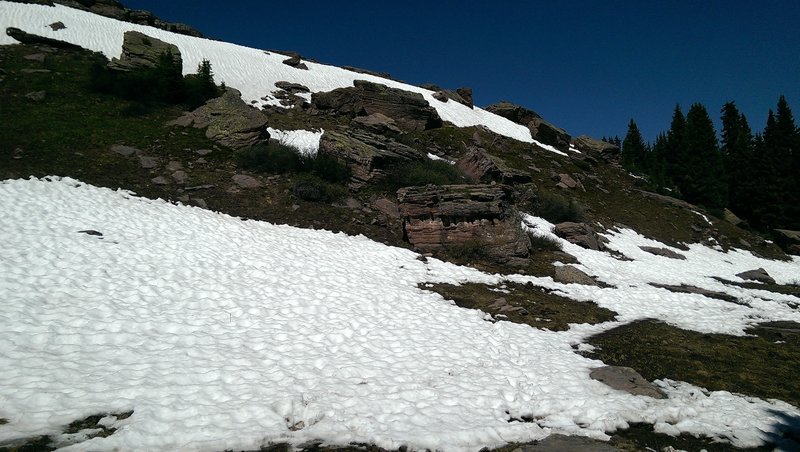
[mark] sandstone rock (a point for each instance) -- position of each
(437, 217)
(758, 274)
(229, 121)
(666, 252)
(125, 151)
(567, 274)
(597, 148)
(580, 234)
(377, 122)
(142, 51)
(567, 181)
(245, 181)
(387, 207)
(368, 156)
(541, 130)
(444, 95)
(480, 165)
(295, 62)
(626, 379)
(409, 110)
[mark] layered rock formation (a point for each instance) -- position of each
(437, 217)
(541, 130)
(142, 51)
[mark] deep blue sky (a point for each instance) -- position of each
(587, 66)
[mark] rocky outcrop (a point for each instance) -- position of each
(115, 10)
(461, 95)
(295, 62)
(368, 156)
(598, 149)
(377, 123)
(441, 217)
(685, 288)
(410, 111)
(626, 379)
(28, 38)
(287, 94)
(541, 130)
(580, 234)
(482, 166)
(141, 51)
(229, 121)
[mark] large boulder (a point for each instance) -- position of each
(788, 240)
(580, 234)
(368, 156)
(462, 96)
(409, 110)
(541, 130)
(229, 121)
(597, 148)
(626, 379)
(440, 217)
(482, 166)
(141, 51)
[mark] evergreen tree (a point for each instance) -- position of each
(704, 181)
(658, 164)
(634, 150)
(780, 141)
(737, 151)
(675, 153)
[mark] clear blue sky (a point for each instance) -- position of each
(587, 66)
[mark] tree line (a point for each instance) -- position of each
(756, 176)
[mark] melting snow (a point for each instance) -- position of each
(305, 141)
(220, 333)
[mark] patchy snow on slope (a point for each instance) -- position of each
(305, 141)
(220, 334)
(251, 71)
(632, 278)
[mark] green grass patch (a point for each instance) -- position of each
(754, 366)
(524, 304)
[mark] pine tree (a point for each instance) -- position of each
(704, 182)
(737, 151)
(675, 153)
(781, 145)
(634, 150)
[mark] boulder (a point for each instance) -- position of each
(293, 88)
(245, 181)
(295, 62)
(369, 72)
(439, 217)
(541, 130)
(29, 38)
(580, 234)
(731, 218)
(368, 156)
(563, 443)
(229, 121)
(409, 110)
(626, 379)
(758, 274)
(567, 274)
(125, 151)
(566, 181)
(466, 94)
(482, 166)
(597, 148)
(665, 252)
(788, 240)
(142, 51)
(444, 95)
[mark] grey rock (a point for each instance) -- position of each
(377, 123)
(567, 274)
(56, 26)
(626, 379)
(36, 96)
(160, 180)
(245, 181)
(37, 57)
(665, 252)
(174, 166)
(562, 443)
(180, 177)
(731, 218)
(580, 234)
(685, 288)
(758, 274)
(541, 130)
(142, 51)
(387, 207)
(229, 121)
(295, 62)
(29, 38)
(293, 88)
(125, 151)
(567, 180)
(200, 202)
(788, 240)
(203, 152)
(147, 162)
(597, 148)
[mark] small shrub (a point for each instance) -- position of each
(330, 169)
(422, 173)
(557, 209)
(272, 158)
(314, 189)
(544, 243)
(582, 164)
(467, 251)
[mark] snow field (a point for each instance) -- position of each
(305, 141)
(251, 71)
(227, 334)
